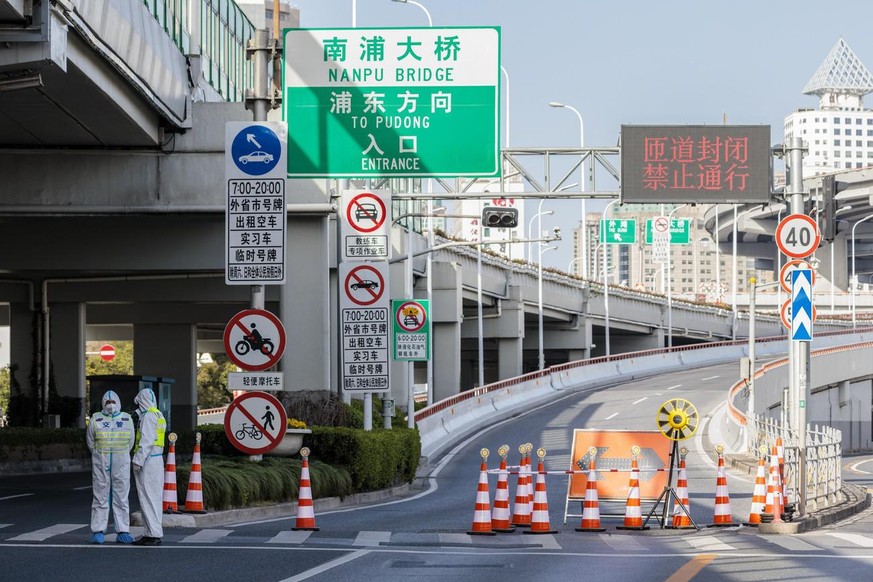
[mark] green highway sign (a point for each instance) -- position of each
(411, 329)
(421, 102)
(680, 231)
(618, 231)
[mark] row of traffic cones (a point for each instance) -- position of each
(194, 495)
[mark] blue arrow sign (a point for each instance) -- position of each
(801, 305)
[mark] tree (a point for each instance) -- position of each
(212, 390)
(4, 391)
(121, 364)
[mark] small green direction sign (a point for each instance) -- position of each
(392, 102)
(680, 231)
(618, 231)
(411, 329)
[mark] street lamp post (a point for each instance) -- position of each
(669, 276)
(606, 284)
(542, 355)
(584, 238)
(414, 3)
(854, 281)
(538, 217)
(735, 273)
(750, 409)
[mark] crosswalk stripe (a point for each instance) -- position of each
(856, 539)
(372, 538)
(791, 543)
(2, 525)
(708, 544)
(47, 532)
(546, 541)
(206, 536)
(290, 537)
(622, 543)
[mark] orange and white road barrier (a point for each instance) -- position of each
(591, 505)
(170, 498)
(194, 495)
(722, 514)
(759, 495)
(539, 522)
(633, 512)
(500, 515)
(521, 516)
(482, 513)
(305, 511)
(682, 505)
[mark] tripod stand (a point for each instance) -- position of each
(669, 491)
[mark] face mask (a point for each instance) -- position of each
(111, 408)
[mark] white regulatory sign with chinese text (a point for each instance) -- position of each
(365, 326)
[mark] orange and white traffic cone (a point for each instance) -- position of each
(682, 517)
(633, 512)
(774, 498)
(529, 479)
(305, 511)
(521, 516)
(194, 495)
(170, 498)
(482, 513)
(539, 523)
(780, 456)
(722, 515)
(759, 495)
(500, 515)
(591, 505)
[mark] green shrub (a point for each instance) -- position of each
(231, 483)
(375, 459)
(34, 444)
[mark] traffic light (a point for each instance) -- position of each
(827, 216)
(497, 217)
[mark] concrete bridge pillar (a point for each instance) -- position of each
(22, 350)
(170, 351)
(67, 353)
(508, 328)
(446, 316)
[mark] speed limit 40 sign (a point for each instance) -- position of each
(797, 236)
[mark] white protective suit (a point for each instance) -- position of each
(148, 463)
(110, 437)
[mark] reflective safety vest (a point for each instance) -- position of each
(161, 431)
(112, 434)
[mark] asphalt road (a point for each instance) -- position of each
(44, 532)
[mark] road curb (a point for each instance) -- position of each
(280, 510)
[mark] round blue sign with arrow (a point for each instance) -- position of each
(256, 150)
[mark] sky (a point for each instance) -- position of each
(642, 62)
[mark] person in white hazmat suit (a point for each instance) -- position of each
(110, 437)
(148, 465)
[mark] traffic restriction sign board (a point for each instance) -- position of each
(411, 329)
(254, 339)
(364, 224)
(255, 422)
(787, 268)
(365, 326)
(797, 236)
(364, 284)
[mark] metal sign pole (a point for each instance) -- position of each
(798, 352)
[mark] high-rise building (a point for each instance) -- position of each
(261, 13)
(839, 133)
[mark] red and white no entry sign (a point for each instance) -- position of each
(797, 236)
(366, 212)
(255, 422)
(107, 352)
(364, 285)
(254, 339)
(411, 316)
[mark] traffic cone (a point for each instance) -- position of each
(521, 515)
(774, 507)
(633, 513)
(305, 510)
(591, 505)
(780, 456)
(539, 523)
(722, 515)
(759, 495)
(170, 499)
(681, 518)
(500, 514)
(482, 513)
(529, 479)
(194, 495)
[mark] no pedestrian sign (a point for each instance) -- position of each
(255, 422)
(411, 329)
(364, 224)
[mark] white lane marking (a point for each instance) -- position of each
(641, 399)
(14, 496)
(710, 378)
(622, 543)
(676, 386)
(372, 538)
(290, 537)
(82, 488)
(611, 416)
(2, 525)
(327, 566)
(791, 543)
(708, 544)
(855, 468)
(206, 536)
(856, 539)
(47, 532)
(547, 541)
